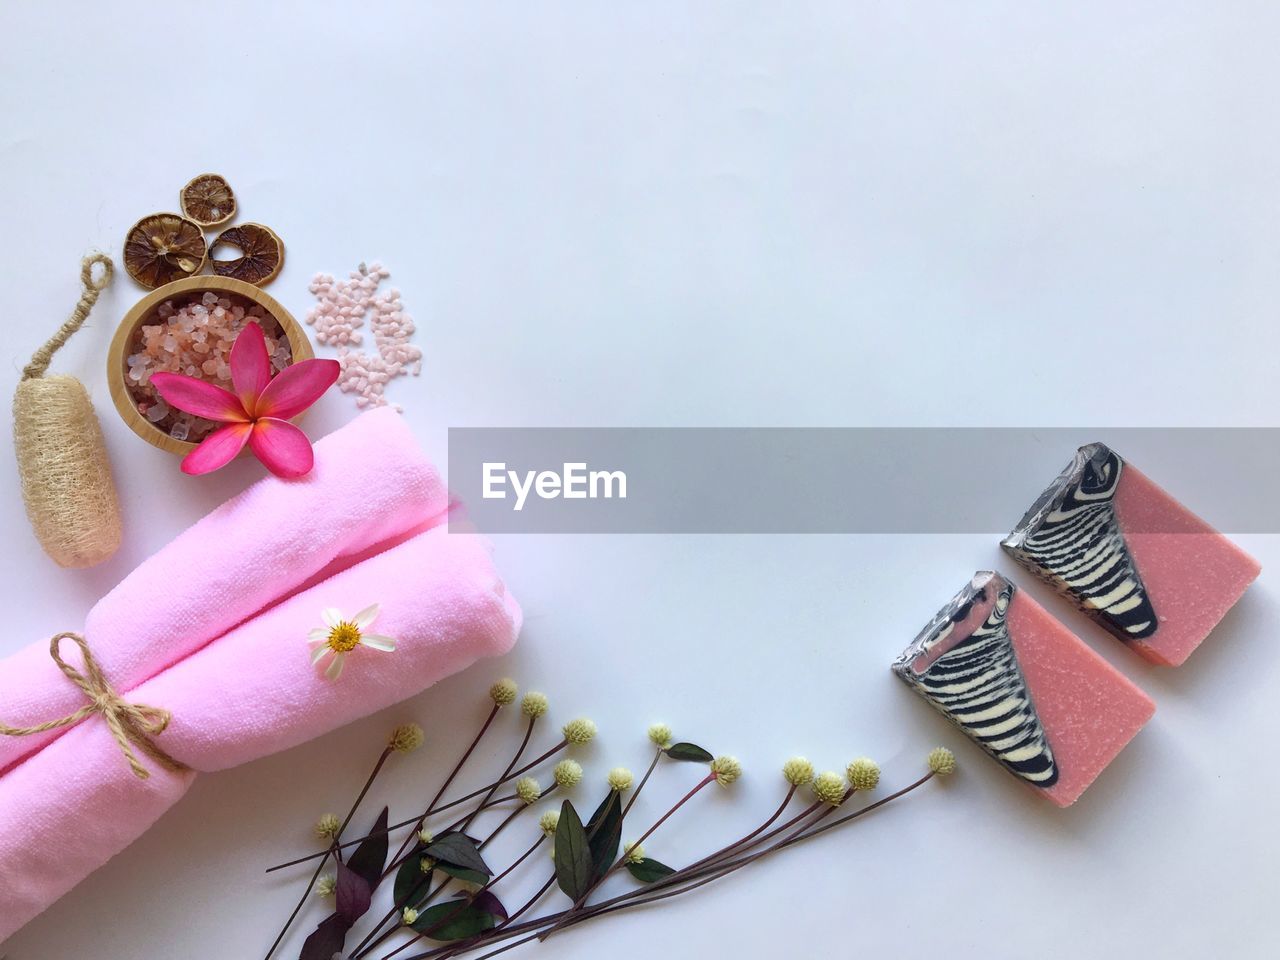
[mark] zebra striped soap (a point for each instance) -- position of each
(1130, 556)
(1024, 688)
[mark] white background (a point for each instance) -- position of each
(709, 214)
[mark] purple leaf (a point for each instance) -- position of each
(487, 902)
(371, 856)
(327, 939)
(354, 894)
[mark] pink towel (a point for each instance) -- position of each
(80, 804)
(370, 483)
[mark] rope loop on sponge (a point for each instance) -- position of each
(92, 286)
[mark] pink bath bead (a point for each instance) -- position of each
(341, 308)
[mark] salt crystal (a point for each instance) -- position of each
(187, 337)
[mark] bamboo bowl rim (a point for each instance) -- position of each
(141, 311)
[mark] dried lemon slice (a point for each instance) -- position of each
(164, 247)
(263, 254)
(208, 200)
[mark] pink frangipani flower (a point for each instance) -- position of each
(257, 413)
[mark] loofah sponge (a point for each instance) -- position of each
(66, 477)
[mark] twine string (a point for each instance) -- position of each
(131, 724)
(92, 286)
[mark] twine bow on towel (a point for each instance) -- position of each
(132, 724)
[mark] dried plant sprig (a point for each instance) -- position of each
(942, 761)
(528, 790)
(828, 787)
(567, 773)
(580, 731)
(726, 770)
(863, 774)
(683, 881)
(503, 693)
(798, 772)
(445, 807)
(535, 704)
(660, 735)
(407, 738)
(333, 847)
(327, 827)
(432, 860)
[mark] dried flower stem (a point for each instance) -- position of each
(643, 780)
(392, 828)
(524, 745)
(542, 892)
(678, 883)
(457, 768)
(447, 918)
(418, 823)
(704, 782)
(333, 849)
(706, 875)
(418, 820)
(363, 950)
(750, 839)
(369, 943)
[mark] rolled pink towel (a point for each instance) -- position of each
(371, 483)
(439, 597)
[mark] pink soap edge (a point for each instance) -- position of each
(1248, 560)
(1151, 655)
(1108, 668)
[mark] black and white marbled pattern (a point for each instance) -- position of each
(979, 685)
(1071, 539)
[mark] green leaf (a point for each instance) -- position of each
(353, 894)
(462, 873)
(371, 856)
(647, 871)
(604, 834)
(459, 851)
(574, 869)
(411, 882)
(689, 751)
(459, 919)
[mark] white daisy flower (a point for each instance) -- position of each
(340, 636)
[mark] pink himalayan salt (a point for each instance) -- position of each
(194, 337)
(340, 311)
(1085, 709)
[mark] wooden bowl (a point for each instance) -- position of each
(143, 311)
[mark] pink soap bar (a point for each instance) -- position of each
(1130, 556)
(1024, 688)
